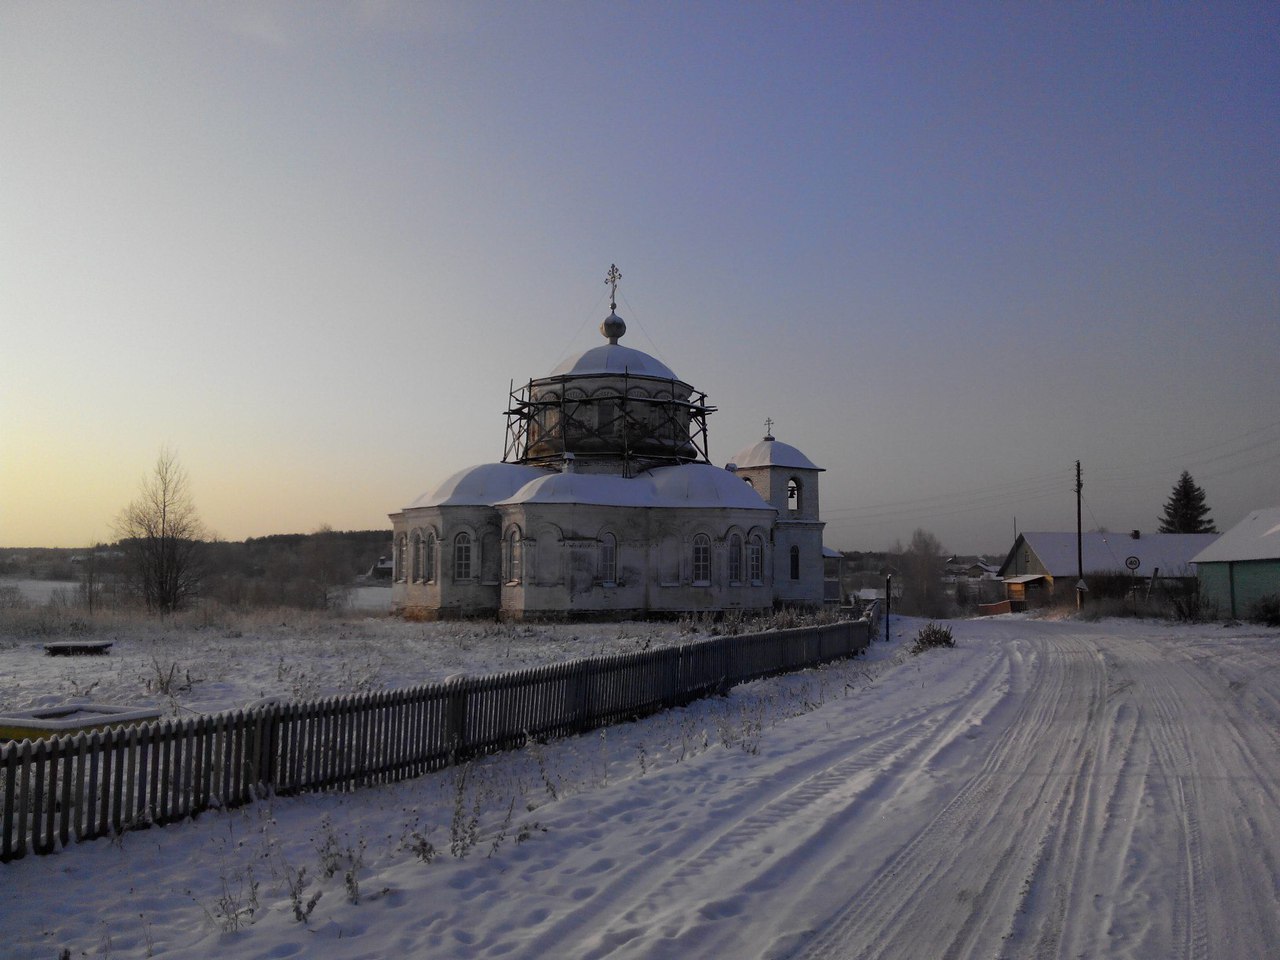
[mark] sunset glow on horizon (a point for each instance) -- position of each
(949, 251)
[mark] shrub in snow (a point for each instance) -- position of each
(933, 635)
(1266, 610)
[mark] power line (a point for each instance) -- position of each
(1202, 456)
(947, 504)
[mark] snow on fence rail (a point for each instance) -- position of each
(72, 788)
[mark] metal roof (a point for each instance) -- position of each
(1172, 553)
(1256, 537)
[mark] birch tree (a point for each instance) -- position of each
(161, 534)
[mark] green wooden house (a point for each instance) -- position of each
(1243, 565)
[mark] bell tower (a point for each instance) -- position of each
(787, 480)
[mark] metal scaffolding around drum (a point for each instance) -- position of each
(550, 417)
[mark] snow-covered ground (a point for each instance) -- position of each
(1045, 789)
(195, 664)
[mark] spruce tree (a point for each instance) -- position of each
(1185, 511)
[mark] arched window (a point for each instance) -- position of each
(398, 557)
(755, 560)
(735, 559)
(795, 563)
(429, 559)
(515, 557)
(462, 557)
(608, 558)
(415, 564)
(793, 495)
(608, 415)
(576, 411)
(701, 559)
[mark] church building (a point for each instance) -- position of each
(606, 506)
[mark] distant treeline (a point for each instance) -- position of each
(306, 570)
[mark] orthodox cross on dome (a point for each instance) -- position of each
(768, 428)
(612, 278)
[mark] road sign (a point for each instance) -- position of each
(1133, 563)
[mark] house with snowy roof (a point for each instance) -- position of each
(1242, 566)
(606, 505)
(1044, 565)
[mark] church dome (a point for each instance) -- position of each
(684, 485)
(611, 358)
(703, 485)
(586, 488)
(484, 484)
(772, 453)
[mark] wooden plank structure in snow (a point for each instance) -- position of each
(66, 789)
(77, 648)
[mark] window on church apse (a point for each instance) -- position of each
(514, 557)
(462, 557)
(735, 559)
(608, 558)
(702, 559)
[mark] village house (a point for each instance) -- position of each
(1241, 567)
(1041, 566)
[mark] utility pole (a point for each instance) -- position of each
(1080, 585)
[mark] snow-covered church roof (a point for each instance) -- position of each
(486, 484)
(682, 485)
(772, 453)
(612, 358)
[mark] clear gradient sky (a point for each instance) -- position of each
(949, 249)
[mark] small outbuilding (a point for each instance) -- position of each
(1243, 565)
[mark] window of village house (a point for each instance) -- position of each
(399, 557)
(755, 560)
(795, 563)
(429, 559)
(735, 559)
(793, 495)
(701, 559)
(515, 557)
(462, 557)
(608, 558)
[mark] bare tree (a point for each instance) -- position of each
(161, 533)
(923, 564)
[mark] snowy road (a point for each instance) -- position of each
(1068, 794)
(1119, 799)
(1047, 790)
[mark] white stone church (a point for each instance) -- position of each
(606, 506)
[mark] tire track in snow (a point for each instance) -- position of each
(1089, 836)
(988, 837)
(1202, 734)
(792, 817)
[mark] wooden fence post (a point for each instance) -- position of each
(456, 715)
